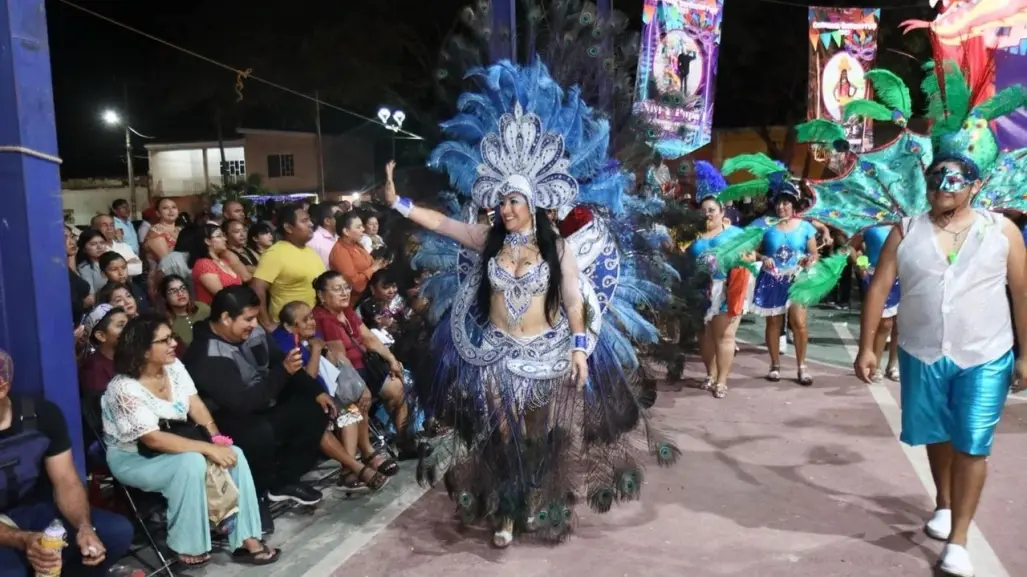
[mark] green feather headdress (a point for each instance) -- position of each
(892, 104)
(961, 131)
(770, 176)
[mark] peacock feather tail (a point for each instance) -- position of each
(526, 473)
(882, 185)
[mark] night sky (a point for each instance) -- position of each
(358, 54)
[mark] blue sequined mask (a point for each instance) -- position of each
(948, 180)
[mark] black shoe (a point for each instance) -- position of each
(267, 522)
(296, 493)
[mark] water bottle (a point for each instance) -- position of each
(54, 539)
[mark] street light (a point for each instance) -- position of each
(392, 120)
(112, 118)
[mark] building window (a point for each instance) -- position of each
(279, 165)
(234, 168)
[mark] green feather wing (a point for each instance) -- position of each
(820, 131)
(947, 114)
(891, 90)
(758, 164)
(867, 109)
(1003, 103)
(751, 188)
(732, 253)
(815, 283)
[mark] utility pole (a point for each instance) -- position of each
(133, 202)
(320, 146)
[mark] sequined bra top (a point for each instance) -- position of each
(535, 282)
(518, 290)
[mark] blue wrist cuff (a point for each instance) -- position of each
(580, 342)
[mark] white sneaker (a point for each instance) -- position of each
(955, 560)
(940, 525)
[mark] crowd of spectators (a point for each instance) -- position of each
(250, 348)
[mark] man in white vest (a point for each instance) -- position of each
(955, 338)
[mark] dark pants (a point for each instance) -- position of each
(281, 443)
(843, 291)
(114, 531)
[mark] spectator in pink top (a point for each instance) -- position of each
(325, 237)
(211, 272)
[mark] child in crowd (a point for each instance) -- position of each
(114, 268)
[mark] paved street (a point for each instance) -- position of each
(776, 480)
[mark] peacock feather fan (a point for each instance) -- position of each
(816, 282)
(881, 185)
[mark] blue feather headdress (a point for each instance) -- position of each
(602, 184)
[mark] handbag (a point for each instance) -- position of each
(187, 429)
(376, 366)
(349, 384)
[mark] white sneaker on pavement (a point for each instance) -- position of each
(955, 560)
(940, 525)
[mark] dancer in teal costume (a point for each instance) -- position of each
(955, 255)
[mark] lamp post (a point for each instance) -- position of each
(392, 120)
(112, 118)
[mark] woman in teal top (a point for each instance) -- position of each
(726, 297)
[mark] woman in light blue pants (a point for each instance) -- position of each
(181, 478)
(151, 391)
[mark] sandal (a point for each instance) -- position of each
(388, 467)
(377, 480)
(892, 373)
(719, 390)
(266, 556)
(804, 378)
(707, 384)
(196, 562)
(775, 374)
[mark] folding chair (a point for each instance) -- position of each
(153, 506)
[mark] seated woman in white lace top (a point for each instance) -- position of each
(153, 386)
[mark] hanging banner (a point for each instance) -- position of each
(989, 37)
(842, 47)
(677, 71)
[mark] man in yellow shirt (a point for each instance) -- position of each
(287, 270)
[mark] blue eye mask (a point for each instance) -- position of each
(948, 180)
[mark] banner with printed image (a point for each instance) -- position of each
(677, 71)
(842, 47)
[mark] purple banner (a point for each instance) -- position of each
(677, 71)
(1010, 70)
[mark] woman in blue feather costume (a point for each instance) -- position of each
(536, 322)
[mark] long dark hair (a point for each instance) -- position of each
(83, 239)
(200, 249)
(162, 298)
(547, 238)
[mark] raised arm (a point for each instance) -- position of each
(470, 235)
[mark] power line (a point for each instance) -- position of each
(240, 74)
(919, 4)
